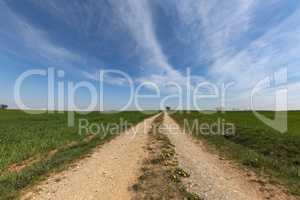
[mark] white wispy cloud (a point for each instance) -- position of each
(116, 78)
(214, 25)
(221, 24)
(137, 16)
(275, 49)
(34, 41)
(84, 17)
(214, 28)
(37, 41)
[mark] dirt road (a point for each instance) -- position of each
(213, 178)
(115, 167)
(106, 174)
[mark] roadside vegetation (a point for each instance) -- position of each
(255, 145)
(32, 146)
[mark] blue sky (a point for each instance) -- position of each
(240, 41)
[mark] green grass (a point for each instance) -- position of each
(24, 136)
(256, 145)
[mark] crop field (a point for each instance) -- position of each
(33, 145)
(254, 144)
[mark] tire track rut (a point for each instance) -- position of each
(106, 174)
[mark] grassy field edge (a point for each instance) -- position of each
(12, 183)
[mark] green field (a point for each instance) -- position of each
(44, 143)
(255, 145)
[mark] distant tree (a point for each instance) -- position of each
(168, 108)
(3, 107)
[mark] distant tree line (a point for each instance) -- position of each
(3, 106)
